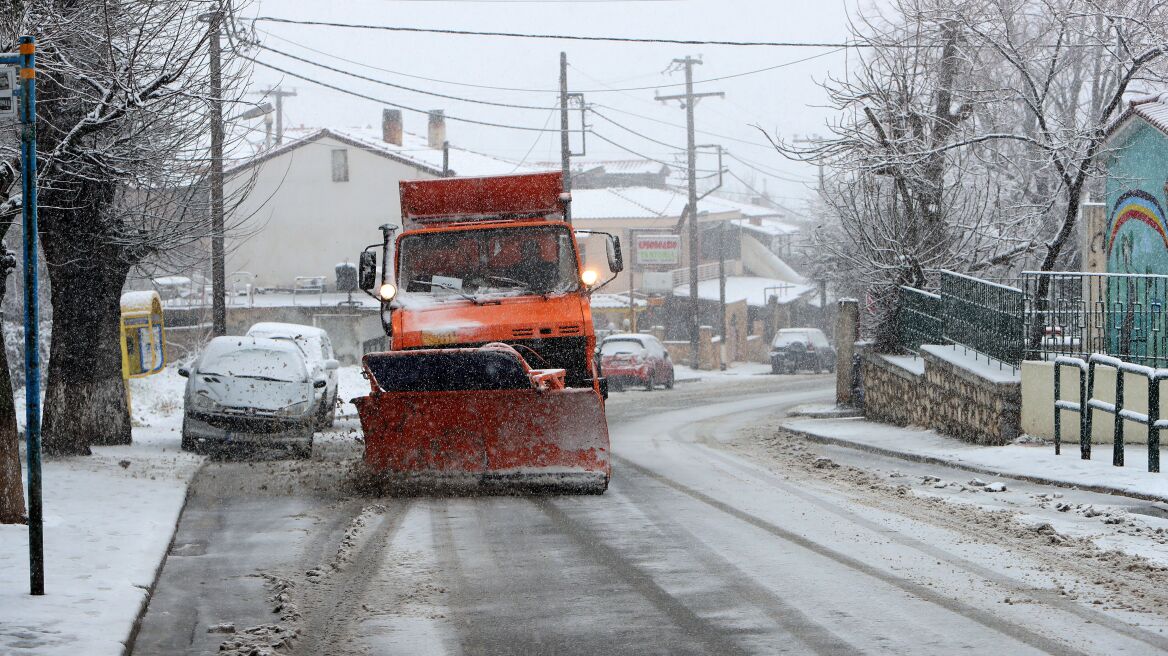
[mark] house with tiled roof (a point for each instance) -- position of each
(1133, 235)
(317, 199)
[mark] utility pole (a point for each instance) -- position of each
(688, 100)
(279, 95)
(565, 146)
(218, 275)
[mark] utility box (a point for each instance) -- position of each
(8, 94)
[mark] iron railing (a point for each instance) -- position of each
(1088, 404)
(918, 318)
(1117, 314)
(983, 316)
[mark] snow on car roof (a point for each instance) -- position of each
(284, 329)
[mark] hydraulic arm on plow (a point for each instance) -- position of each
(490, 374)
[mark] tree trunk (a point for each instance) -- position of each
(85, 396)
(12, 510)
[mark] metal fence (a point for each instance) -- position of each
(983, 316)
(980, 315)
(918, 319)
(1077, 314)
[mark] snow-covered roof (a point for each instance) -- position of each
(413, 151)
(656, 202)
(615, 301)
(767, 227)
(755, 291)
(1152, 108)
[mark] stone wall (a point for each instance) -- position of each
(969, 406)
(941, 393)
(894, 391)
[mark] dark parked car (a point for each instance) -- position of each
(795, 349)
(635, 359)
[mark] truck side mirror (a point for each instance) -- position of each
(367, 271)
(616, 262)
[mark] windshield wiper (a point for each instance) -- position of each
(452, 288)
(268, 378)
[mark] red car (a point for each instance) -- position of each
(635, 359)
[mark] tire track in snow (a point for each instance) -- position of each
(1048, 597)
(696, 627)
(333, 604)
(986, 619)
(814, 635)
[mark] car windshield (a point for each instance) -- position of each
(615, 346)
(505, 260)
(254, 362)
(786, 339)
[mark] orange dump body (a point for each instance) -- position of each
(481, 414)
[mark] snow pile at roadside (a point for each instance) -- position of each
(1037, 462)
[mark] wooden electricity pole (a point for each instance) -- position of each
(688, 100)
(565, 146)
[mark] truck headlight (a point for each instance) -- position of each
(589, 277)
(387, 291)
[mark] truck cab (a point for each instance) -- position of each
(485, 260)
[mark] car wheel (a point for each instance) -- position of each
(775, 369)
(327, 416)
(303, 450)
(791, 368)
(188, 440)
(669, 382)
(649, 381)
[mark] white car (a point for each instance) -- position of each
(249, 391)
(314, 343)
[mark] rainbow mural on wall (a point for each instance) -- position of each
(1137, 238)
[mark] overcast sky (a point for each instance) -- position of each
(786, 99)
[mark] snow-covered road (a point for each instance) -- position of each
(714, 538)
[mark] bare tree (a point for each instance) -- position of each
(123, 113)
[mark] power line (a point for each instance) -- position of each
(635, 133)
(575, 37)
(682, 127)
(606, 89)
(358, 94)
(398, 86)
(759, 168)
(630, 150)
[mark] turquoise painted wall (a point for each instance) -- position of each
(1136, 242)
(1137, 236)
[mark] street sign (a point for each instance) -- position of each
(8, 92)
(657, 249)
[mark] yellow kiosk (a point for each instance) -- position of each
(143, 339)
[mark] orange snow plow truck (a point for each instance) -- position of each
(491, 376)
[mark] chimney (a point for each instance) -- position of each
(391, 126)
(436, 134)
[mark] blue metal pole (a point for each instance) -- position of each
(32, 354)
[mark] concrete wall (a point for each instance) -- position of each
(1038, 403)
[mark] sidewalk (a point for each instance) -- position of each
(1030, 462)
(108, 521)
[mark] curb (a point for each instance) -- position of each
(933, 460)
(136, 626)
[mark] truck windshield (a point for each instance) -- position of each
(525, 260)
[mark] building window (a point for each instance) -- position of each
(340, 165)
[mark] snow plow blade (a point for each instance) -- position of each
(481, 416)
